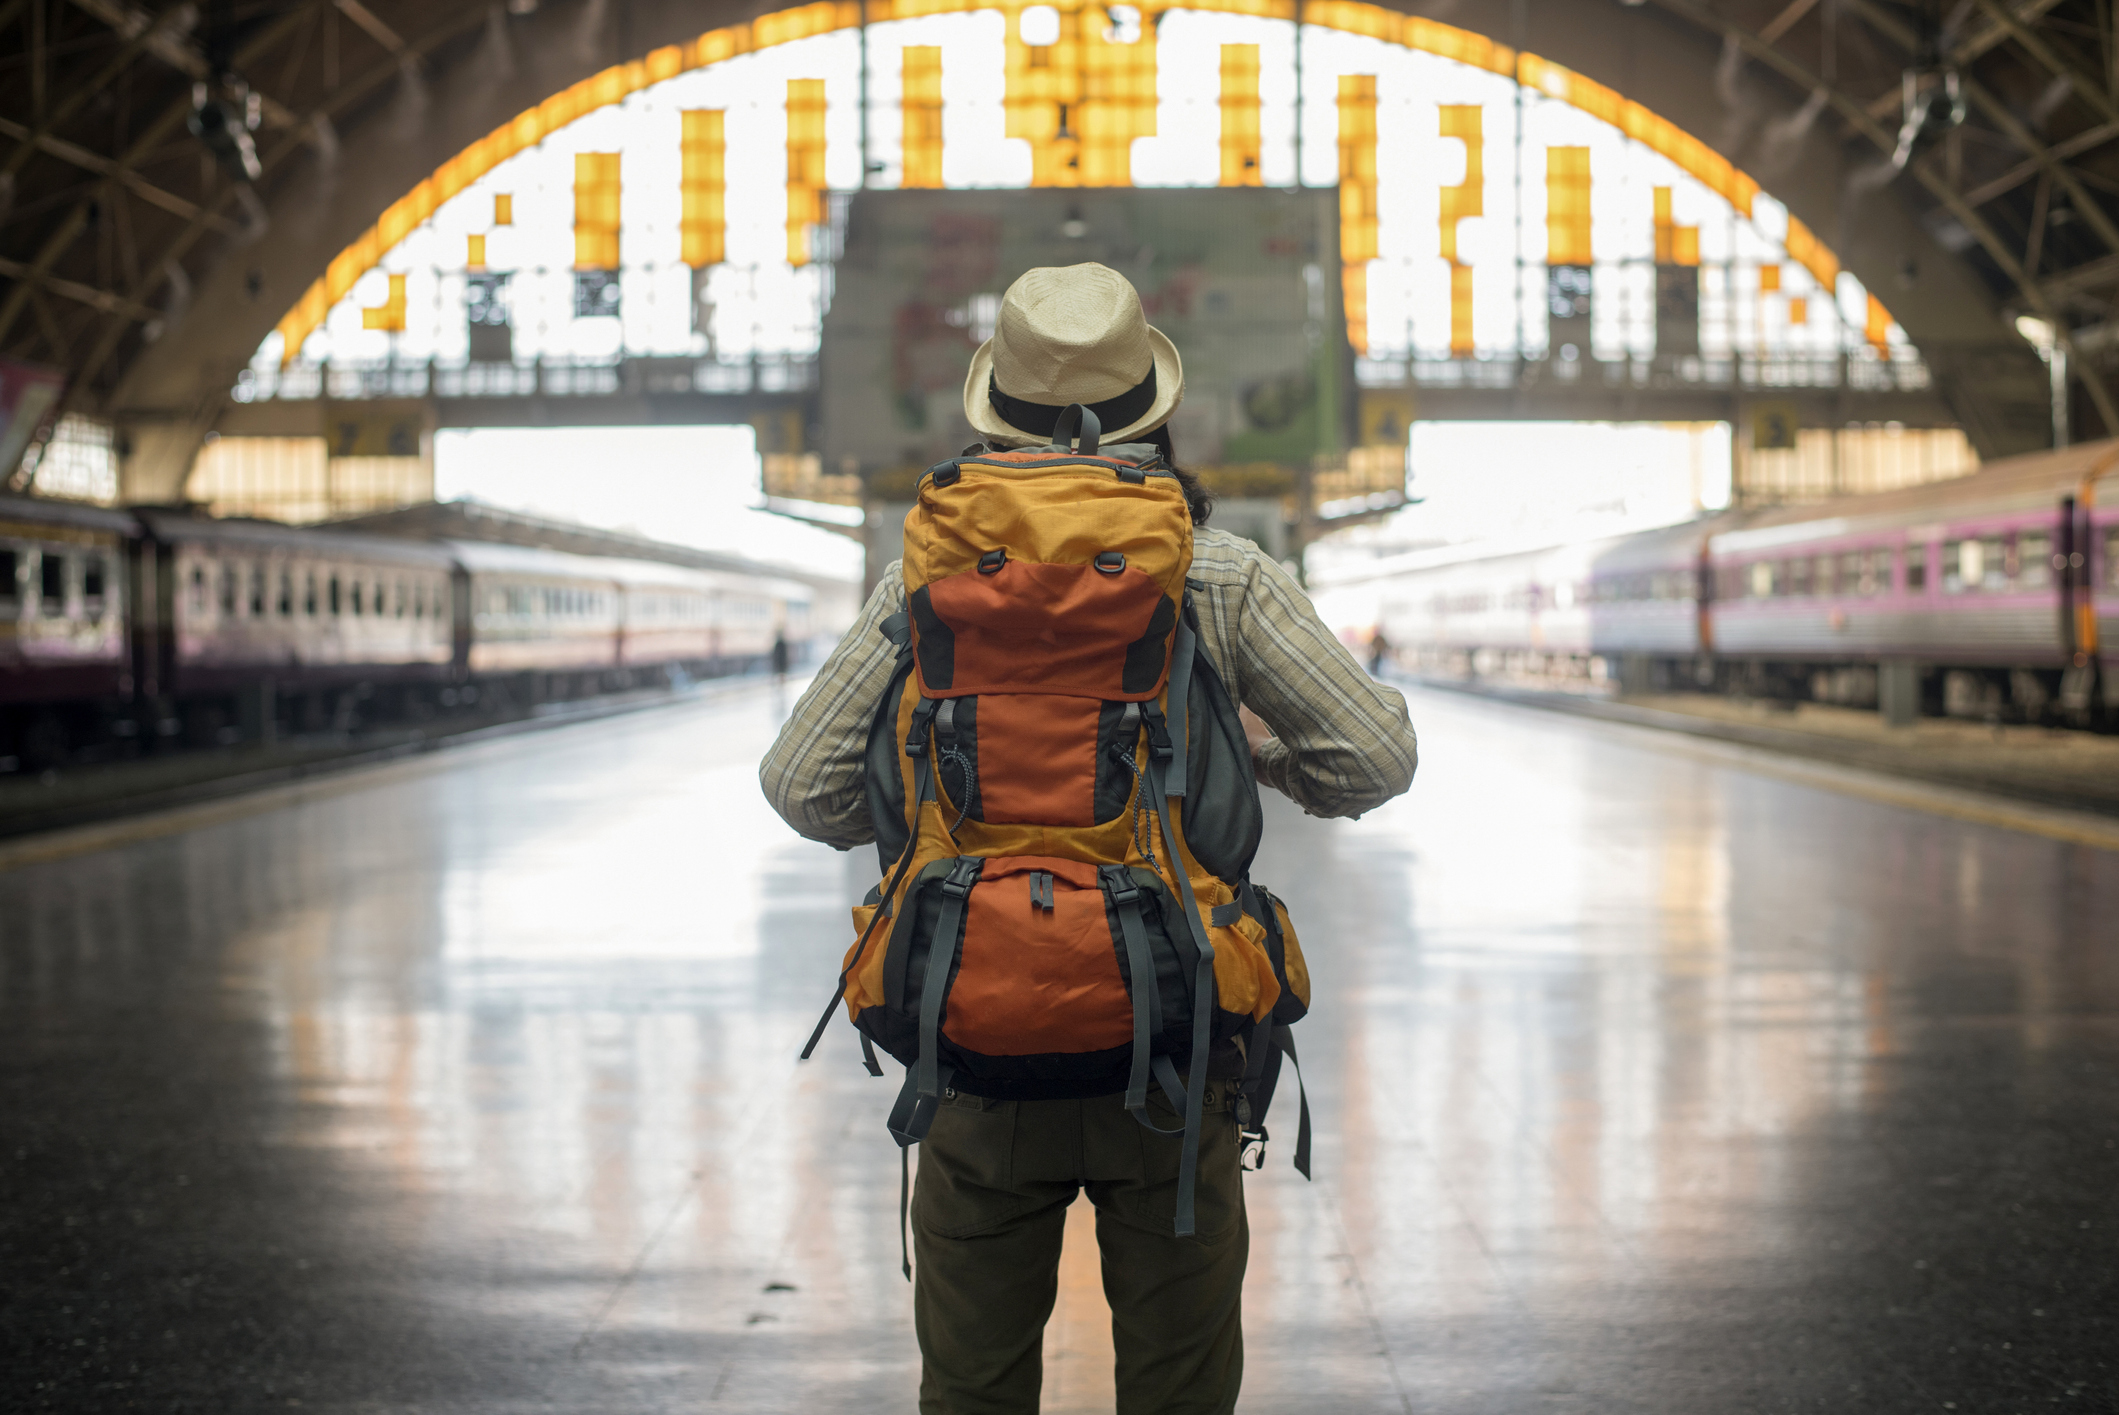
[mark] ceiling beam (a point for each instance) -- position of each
(104, 167)
(2016, 176)
(2086, 88)
(74, 290)
(175, 49)
(1856, 114)
(352, 91)
(1995, 33)
(381, 33)
(30, 143)
(1786, 20)
(2005, 122)
(148, 142)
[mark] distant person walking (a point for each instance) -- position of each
(780, 655)
(1002, 714)
(1379, 653)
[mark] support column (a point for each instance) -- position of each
(1898, 692)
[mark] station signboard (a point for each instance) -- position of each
(1245, 281)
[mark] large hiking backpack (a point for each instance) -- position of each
(1065, 810)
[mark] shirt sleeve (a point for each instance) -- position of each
(1342, 742)
(814, 774)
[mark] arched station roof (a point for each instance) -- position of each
(140, 265)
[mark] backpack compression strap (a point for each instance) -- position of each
(927, 1079)
(1161, 751)
(1269, 1042)
(1147, 1006)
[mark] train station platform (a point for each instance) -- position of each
(1645, 1081)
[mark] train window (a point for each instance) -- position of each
(1993, 555)
(2034, 560)
(2111, 558)
(353, 595)
(335, 601)
(402, 595)
(1854, 574)
(286, 605)
(1916, 569)
(51, 580)
(257, 591)
(228, 590)
(10, 573)
(92, 578)
(1799, 576)
(1759, 580)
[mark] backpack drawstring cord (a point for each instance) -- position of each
(1144, 844)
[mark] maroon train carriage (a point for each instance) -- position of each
(258, 622)
(545, 622)
(118, 629)
(1998, 593)
(65, 658)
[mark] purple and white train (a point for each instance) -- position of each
(1993, 595)
(123, 626)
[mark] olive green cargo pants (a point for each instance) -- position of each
(996, 1178)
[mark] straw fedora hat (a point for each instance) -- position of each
(1072, 334)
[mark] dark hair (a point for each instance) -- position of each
(1196, 494)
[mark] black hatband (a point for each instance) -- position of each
(1040, 418)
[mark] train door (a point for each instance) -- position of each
(2076, 586)
(1703, 599)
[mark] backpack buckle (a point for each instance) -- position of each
(1253, 1155)
(962, 875)
(1158, 732)
(916, 739)
(1120, 885)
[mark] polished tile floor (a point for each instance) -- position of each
(1643, 1082)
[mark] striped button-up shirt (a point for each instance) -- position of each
(1341, 742)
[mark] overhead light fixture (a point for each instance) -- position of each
(1931, 100)
(2037, 332)
(224, 121)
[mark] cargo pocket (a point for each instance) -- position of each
(1038, 989)
(1285, 952)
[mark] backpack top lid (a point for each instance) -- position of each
(1046, 571)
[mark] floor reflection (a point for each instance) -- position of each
(1641, 1083)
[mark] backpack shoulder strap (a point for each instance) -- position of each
(1181, 651)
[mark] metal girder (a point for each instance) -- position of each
(1856, 114)
(381, 33)
(348, 92)
(103, 167)
(1995, 32)
(173, 49)
(2086, 88)
(42, 136)
(2084, 141)
(2005, 122)
(157, 132)
(74, 290)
